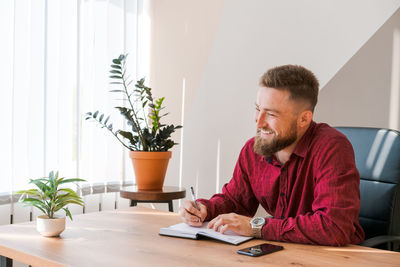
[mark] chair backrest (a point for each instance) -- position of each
(377, 154)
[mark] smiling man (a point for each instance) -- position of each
(300, 172)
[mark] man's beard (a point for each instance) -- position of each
(264, 148)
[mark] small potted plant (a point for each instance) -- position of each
(49, 199)
(146, 137)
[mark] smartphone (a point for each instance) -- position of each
(259, 250)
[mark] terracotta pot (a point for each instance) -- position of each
(150, 168)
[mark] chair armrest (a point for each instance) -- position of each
(378, 240)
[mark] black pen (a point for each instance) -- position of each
(194, 199)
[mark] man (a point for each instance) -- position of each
(301, 172)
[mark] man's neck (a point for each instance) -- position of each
(283, 155)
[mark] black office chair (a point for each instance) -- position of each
(377, 154)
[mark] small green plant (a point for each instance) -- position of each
(144, 134)
(48, 197)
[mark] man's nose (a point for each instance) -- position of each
(261, 120)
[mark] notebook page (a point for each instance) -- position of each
(184, 228)
(228, 236)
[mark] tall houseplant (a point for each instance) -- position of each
(146, 137)
(49, 198)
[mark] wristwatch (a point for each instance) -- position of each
(257, 224)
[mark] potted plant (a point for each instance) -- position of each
(49, 199)
(146, 137)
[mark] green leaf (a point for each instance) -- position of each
(69, 191)
(63, 201)
(117, 91)
(95, 114)
(116, 83)
(164, 115)
(127, 135)
(105, 122)
(115, 77)
(72, 180)
(101, 117)
(63, 204)
(42, 186)
(122, 57)
(116, 61)
(34, 201)
(68, 213)
(27, 192)
(116, 66)
(116, 71)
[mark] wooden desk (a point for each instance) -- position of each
(130, 238)
(166, 195)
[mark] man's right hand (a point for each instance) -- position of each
(191, 215)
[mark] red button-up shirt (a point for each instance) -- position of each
(314, 197)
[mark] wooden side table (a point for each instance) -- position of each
(166, 195)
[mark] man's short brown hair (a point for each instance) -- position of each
(299, 81)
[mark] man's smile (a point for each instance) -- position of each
(266, 132)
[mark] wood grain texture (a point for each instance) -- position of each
(130, 238)
(166, 194)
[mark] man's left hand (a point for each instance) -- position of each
(231, 221)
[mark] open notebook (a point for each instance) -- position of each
(186, 231)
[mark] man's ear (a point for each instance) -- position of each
(305, 118)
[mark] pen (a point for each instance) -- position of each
(194, 199)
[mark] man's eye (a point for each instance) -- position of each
(271, 114)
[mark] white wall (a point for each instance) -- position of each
(365, 91)
(221, 48)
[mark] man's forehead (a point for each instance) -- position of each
(272, 99)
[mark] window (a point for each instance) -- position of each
(55, 62)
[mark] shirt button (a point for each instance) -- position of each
(282, 194)
(282, 217)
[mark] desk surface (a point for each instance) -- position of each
(130, 238)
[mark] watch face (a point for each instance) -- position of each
(257, 221)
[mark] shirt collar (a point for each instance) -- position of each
(302, 146)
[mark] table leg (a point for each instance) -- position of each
(133, 203)
(170, 206)
(5, 262)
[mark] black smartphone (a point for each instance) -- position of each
(259, 250)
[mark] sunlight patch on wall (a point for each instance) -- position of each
(218, 166)
(197, 183)
(395, 82)
(181, 142)
(182, 122)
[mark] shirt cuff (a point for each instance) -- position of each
(272, 229)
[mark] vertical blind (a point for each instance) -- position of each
(55, 61)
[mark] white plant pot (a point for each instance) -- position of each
(50, 227)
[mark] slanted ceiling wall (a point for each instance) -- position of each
(210, 54)
(365, 91)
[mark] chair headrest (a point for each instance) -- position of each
(377, 152)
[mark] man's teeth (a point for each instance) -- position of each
(266, 132)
